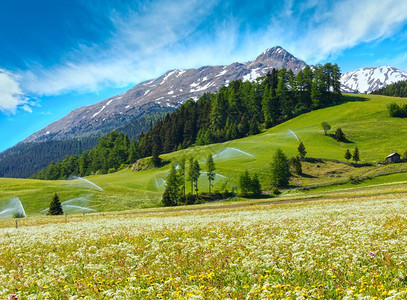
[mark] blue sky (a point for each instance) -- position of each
(56, 56)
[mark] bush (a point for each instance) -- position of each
(190, 199)
(18, 215)
(249, 185)
(354, 179)
(198, 201)
(339, 135)
(397, 111)
(275, 191)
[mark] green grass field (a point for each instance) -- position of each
(364, 120)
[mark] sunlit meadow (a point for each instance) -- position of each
(354, 249)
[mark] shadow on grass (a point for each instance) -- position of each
(262, 196)
(307, 175)
(351, 98)
(313, 160)
(344, 140)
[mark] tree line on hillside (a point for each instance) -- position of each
(235, 111)
(190, 170)
(244, 108)
(112, 151)
(181, 172)
(24, 159)
(397, 89)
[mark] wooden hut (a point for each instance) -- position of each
(393, 158)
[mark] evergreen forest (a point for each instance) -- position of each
(397, 89)
(235, 111)
(25, 159)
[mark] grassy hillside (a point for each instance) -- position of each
(364, 120)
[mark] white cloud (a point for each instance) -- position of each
(132, 54)
(11, 96)
(347, 24)
(166, 35)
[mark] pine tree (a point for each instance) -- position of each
(348, 155)
(210, 164)
(218, 111)
(339, 135)
(355, 156)
(253, 127)
(266, 107)
(133, 151)
(196, 174)
(245, 183)
(301, 150)
(280, 169)
(191, 174)
(172, 194)
(295, 164)
(182, 169)
(55, 208)
(255, 185)
(155, 159)
(283, 93)
(318, 87)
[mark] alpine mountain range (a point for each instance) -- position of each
(169, 91)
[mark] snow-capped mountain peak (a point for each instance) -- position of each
(367, 80)
(166, 92)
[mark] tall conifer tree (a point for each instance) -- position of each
(55, 208)
(210, 165)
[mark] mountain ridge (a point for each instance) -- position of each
(169, 90)
(367, 80)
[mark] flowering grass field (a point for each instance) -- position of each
(342, 249)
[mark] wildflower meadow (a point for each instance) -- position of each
(341, 249)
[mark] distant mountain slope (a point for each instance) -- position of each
(26, 159)
(367, 80)
(167, 91)
(23, 160)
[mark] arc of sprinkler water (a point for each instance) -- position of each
(233, 149)
(78, 207)
(293, 134)
(89, 182)
(5, 211)
(85, 198)
(15, 206)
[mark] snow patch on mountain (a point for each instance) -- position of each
(221, 73)
(103, 107)
(367, 80)
(253, 75)
(169, 90)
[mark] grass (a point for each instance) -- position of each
(364, 120)
(338, 249)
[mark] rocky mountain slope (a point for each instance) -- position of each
(167, 91)
(366, 80)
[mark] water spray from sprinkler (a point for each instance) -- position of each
(294, 135)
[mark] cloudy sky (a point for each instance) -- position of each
(56, 56)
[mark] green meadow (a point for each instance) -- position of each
(364, 120)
